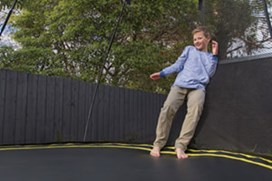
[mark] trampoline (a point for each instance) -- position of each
(38, 109)
(127, 162)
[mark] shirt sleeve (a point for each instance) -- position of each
(212, 66)
(178, 65)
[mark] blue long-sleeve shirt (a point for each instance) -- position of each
(194, 68)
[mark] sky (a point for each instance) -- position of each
(6, 37)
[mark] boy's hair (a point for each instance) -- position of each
(203, 29)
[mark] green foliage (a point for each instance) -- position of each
(5, 3)
(9, 3)
(71, 38)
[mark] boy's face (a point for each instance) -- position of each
(200, 41)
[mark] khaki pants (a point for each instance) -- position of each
(176, 97)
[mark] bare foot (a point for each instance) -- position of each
(155, 152)
(181, 154)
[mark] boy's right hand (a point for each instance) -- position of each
(155, 76)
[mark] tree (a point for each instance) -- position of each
(70, 38)
(236, 25)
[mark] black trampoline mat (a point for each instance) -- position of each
(100, 163)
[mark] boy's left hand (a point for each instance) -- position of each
(214, 47)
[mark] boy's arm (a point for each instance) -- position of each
(178, 65)
(214, 59)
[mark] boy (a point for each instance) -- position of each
(195, 66)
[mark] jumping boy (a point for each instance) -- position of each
(194, 68)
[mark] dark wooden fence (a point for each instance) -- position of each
(37, 109)
(44, 109)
